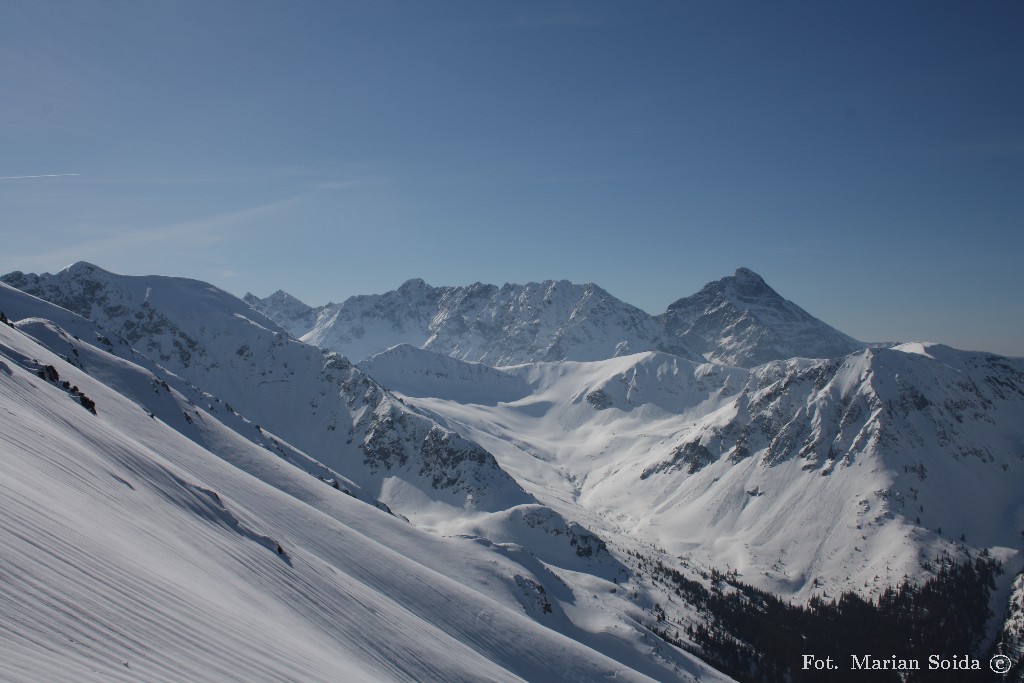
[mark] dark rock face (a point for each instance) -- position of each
(690, 456)
(599, 399)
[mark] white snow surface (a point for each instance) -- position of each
(808, 477)
(316, 401)
(142, 546)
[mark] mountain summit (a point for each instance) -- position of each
(740, 320)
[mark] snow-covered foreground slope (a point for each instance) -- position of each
(134, 549)
(343, 420)
(808, 477)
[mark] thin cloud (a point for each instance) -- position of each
(197, 233)
(45, 175)
(352, 183)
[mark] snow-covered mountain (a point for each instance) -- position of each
(287, 311)
(552, 320)
(139, 545)
(807, 476)
(314, 400)
(740, 320)
(635, 488)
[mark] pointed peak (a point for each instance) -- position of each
(281, 295)
(81, 267)
(747, 274)
(413, 285)
(744, 283)
(277, 299)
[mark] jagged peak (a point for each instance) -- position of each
(415, 284)
(746, 274)
(279, 294)
(743, 283)
(551, 285)
(746, 283)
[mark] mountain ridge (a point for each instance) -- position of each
(738, 320)
(314, 399)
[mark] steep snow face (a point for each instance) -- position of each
(287, 311)
(140, 309)
(140, 546)
(552, 320)
(316, 401)
(740, 320)
(416, 372)
(807, 476)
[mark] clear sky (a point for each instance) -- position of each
(866, 158)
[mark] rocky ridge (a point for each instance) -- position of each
(738, 320)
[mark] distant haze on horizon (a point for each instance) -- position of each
(866, 159)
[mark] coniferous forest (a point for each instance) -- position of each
(755, 637)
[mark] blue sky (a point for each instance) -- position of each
(866, 158)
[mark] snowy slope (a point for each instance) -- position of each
(316, 401)
(806, 476)
(740, 320)
(134, 552)
(113, 361)
(417, 372)
(387, 452)
(551, 320)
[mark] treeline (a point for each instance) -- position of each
(754, 636)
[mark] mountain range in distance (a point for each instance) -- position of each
(738, 320)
